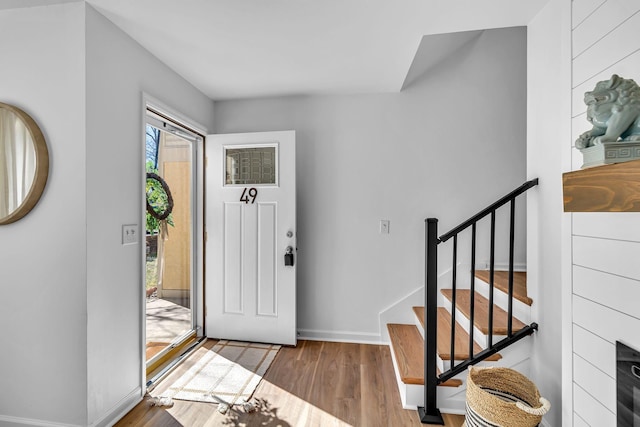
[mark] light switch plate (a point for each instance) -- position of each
(384, 226)
(130, 234)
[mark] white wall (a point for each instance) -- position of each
(43, 366)
(72, 294)
(605, 286)
(446, 147)
(118, 71)
(548, 125)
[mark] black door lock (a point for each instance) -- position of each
(288, 256)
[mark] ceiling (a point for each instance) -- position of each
(233, 49)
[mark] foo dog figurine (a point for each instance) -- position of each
(613, 108)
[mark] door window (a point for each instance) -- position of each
(251, 165)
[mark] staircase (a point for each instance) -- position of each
(466, 324)
(407, 340)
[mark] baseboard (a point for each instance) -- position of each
(120, 409)
(544, 423)
(339, 336)
(8, 421)
(400, 312)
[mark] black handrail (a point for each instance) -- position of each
(430, 413)
(491, 208)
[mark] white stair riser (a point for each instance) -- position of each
(451, 400)
(478, 335)
(444, 365)
(520, 310)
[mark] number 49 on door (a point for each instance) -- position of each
(249, 193)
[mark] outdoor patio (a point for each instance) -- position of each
(166, 321)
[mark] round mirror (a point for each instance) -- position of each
(24, 163)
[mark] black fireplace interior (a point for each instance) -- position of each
(628, 385)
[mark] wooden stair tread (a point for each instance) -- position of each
(444, 337)
(501, 281)
(481, 318)
(408, 348)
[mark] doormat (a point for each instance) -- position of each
(227, 374)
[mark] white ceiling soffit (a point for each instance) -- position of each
(17, 4)
(233, 49)
(434, 49)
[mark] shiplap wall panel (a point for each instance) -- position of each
(594, 413)
(598, 384)
(582, 9)
(576, 160)
(629, 68)
(607, 51)
(579, 124)
(595, 350)
(606, 289)
(597, 26)
(579, 422)
(608, 225)
(608, 324)
(605, 247)
(614, 256)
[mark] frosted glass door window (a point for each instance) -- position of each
(251, 166)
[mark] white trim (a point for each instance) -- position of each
(149, 101)
(8, 421)
(143, 249)
(339, 336)
(120, 409)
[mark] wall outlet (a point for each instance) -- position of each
(129, 234)
(384, 226)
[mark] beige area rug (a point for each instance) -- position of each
(227, 374)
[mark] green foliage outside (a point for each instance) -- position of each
(156, 198)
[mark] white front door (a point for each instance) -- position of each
(250, 219)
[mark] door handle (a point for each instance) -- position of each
(288, 256)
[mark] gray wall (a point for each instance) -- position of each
(72, 294)
(447, 146)
(118, 71)
(43, 366)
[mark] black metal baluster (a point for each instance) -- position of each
(492, 272)
(453, 303)
(473, 288)
(511, 250)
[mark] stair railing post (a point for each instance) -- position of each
(430, 414)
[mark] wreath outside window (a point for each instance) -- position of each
(159, 199)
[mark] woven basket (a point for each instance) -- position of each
(502, 397)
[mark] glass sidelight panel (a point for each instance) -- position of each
(170, 234)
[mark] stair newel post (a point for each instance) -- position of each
(430, 414)
(511, 250)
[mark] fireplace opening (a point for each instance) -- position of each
(627, 385)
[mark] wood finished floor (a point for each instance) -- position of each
(313, 384)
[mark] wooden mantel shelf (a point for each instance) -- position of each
(609, 188)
